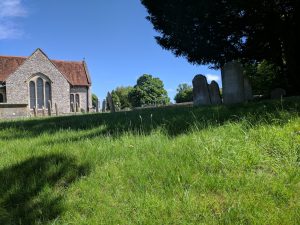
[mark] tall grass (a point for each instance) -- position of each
(210, 165)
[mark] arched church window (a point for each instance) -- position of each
(32, 94)
(1, 98)
(40, 93)
(47, 93)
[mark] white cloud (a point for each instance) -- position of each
(9, 11)
(211, 77)
(170, 90)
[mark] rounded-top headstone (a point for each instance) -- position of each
(214, 91)
(104, 105)
(110, 102)
(233, 83)
(200, 91)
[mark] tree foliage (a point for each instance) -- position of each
(116, 100)
(94, 100)
(184, 93)
(264, 77)
(218, 31)
(120, 95)
(148, 91)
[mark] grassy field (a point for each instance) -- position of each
(209, 165)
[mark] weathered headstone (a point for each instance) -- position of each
(200, 91)
(277, 93)
(34, 111)
(72, 107)
(247, 89)
(214, 91)
(49, 108)
(56, 109)
(233, 83)
(110, 102)
(43, 111)
(104, 105)
(97, 106)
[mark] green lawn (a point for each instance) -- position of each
(209, 165)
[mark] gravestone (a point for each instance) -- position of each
(72, 107)
(110, 102)
(104, 105)
(34, 111)
(233, 83)
(97, 106)
(277, 93)
(200, 91)
(49, 108)
(214, 91)
(247, 89)
(56, 109)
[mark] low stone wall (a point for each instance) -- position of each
(13, 110)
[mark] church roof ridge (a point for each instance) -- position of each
(74, 71)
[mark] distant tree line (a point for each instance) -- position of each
(148, 90)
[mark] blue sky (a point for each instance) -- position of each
(113, 36)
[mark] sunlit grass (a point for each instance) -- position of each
(215, 165)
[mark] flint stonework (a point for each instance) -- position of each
(38, 65)
(214, 91)
(233, 83)
(200, 91)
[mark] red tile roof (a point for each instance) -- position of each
(75, 72)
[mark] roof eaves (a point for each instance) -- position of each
(88, 77)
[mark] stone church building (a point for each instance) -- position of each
(36, 81)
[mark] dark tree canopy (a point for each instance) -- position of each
(148, 91)
(217, 31)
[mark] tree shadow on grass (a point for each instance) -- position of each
(174, 121)
(32, 191)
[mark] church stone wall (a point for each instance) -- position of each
(84, 96)
(17, 84)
